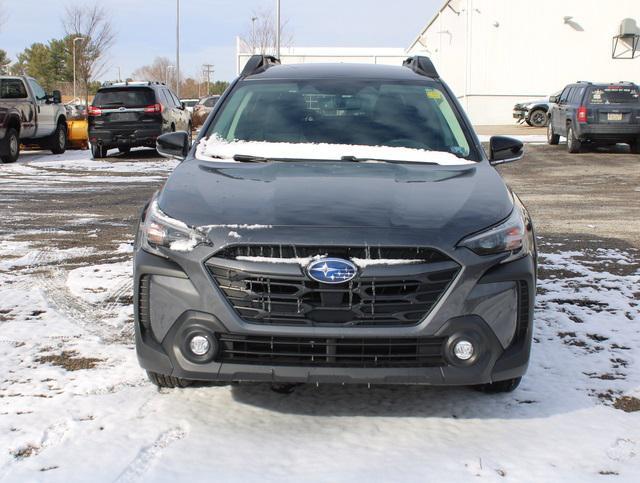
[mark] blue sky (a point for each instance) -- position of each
(146, 28)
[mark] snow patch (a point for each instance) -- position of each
(216, 149)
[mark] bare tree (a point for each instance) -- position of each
(3, 15)
(261, 38)
(161, 70)
(93, 25)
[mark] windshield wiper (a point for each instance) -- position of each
(247, 158)
(354, 159)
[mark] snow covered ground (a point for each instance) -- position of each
(75, 406)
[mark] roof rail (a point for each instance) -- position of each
(421, 65)
(258, 63)
(131, 83)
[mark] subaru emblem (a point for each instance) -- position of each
(332, 270)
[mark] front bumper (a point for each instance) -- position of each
(489, 303)
(520, 114)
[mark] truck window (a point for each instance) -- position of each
(38, 91)
(12, 89)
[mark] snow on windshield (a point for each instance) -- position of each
(216, 149)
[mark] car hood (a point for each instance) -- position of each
(450, 201)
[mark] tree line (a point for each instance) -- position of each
(90, 30)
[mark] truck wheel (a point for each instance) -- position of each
(98, 152)
(537, 118)
(552, 138)
(507, 385)
(58, 140)
(12, 147)
(162, 380)
(573, 143)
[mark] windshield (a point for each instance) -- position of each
(343, 111)
(127, 97)
(615, 95)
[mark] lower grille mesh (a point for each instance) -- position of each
(331, 352)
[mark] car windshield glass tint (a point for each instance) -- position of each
(132, 97)
(210, 102)
(615, 95)
(339, 111)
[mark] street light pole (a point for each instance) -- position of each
(178, 48)
(76, 39)
(253, 35)
(278, 29)
(166, 74)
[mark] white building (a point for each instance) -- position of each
(493, 53)
(300, 55)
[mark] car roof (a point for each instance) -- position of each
(333, 70)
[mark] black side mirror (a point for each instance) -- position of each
(183, 106)
(504, 149)
(174, 145)
(56, 97)
(554, 99)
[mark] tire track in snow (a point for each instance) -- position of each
(136, 470)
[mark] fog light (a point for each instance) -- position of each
(199, 345)
(463, 350)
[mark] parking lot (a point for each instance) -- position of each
(68, 363)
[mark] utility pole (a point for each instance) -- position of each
(76, 39)
(119, 74)
(253, 35)
(207, 69)
(166, 74)
(278, 29)
(178, 48)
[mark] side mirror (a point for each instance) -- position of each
(503, 149)
(174, 145)
(554, 99)
(56, 97)
(183, 106)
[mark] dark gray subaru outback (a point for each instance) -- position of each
(336, 224)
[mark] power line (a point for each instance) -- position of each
(207, 69)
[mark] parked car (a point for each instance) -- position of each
(202, 109)
(336, 223)
(28, 115)
(130, 114)
(534, 112)
(596, 114)
(189, 103)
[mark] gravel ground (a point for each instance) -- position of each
(75, 406)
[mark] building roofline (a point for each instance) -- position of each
(433, 19)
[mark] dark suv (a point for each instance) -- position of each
(598, 114)
(336, 223)
(131, 114)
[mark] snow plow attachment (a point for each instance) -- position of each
(77, 134)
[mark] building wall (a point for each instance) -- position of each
(301, 55)
(494, 53)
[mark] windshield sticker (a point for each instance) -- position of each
(434, 94)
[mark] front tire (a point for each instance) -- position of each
(508, 385)
(12, 146)
(538, 118)
(573, 143)
(552, 138)
(98, 152)
(162, 380)
(58, 140)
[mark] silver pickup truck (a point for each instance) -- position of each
(28, 115)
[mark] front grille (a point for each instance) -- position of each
(295, 299)
(331, 352)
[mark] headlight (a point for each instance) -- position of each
(159, 231)
(514, 235)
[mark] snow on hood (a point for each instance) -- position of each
(216, 149)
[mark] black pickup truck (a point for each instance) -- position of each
(28, 115)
